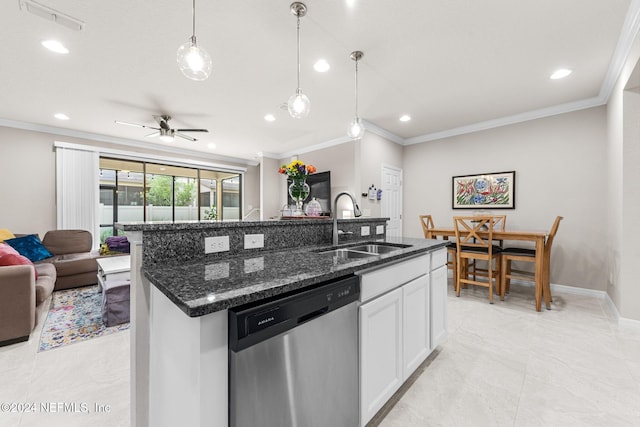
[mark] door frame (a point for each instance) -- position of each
(382, 172)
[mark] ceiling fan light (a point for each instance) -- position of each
(299, 105)
(194, 62)
(166, 138)
(356, 128)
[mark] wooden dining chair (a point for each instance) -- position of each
(528, 255)
(474, 240)
(499, 223)
(427, 224)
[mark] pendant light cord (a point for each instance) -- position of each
(298, 54)
(356, 88)
(193, 18)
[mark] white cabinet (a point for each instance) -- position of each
(403, 316)
(415, 324)
(380, 352)
(438, 306)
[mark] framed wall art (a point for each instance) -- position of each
(485, 191)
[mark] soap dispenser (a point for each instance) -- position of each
(372, 192)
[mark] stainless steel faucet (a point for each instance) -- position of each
(356, 213)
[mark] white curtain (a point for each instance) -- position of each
(77, 191)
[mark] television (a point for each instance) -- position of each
(320, 188)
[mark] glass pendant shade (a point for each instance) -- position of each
(356, 128)
(194, 62)
(299, 105)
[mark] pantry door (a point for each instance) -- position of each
(391, 203)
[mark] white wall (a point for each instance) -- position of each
(375, 151)
(560, 170)
(271, 188)
(28, 177)
(623, 157)
(342, 161)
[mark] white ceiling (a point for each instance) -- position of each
(454, 66)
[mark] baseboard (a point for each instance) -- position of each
(615, 314)
(609, 304)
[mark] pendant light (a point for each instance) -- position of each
(356, 127)
(194, 61)
(298, 104)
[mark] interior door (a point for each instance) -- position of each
(391, 203)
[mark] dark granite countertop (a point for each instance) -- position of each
(205, 287)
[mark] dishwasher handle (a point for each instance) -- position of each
(256, 322)
(313, 315)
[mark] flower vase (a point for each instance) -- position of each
(299, 191)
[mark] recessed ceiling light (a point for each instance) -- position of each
(560, 73)
(61, 116)
(351, 3)
(212, 145)
(54, 46)
(270, 117)
(321, 66)
(405, 118)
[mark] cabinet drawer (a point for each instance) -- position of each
(438, 258)
(377, 282)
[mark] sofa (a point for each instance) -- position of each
(69, 262)
(20, 293)
(73, 258)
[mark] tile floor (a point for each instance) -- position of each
(502, 365)
(82, 375)
(506, 365)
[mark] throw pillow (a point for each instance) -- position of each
(17, 259)
(5, 234)
(7, 250)
(30, 246)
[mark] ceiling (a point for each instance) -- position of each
(453, 66)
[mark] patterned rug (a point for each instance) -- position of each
(75, 315)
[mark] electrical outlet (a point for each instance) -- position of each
(216, 244)
(365, 230)
(380, 229)
(253, 241)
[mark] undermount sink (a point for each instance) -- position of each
(363, 250)
(347, 253)
(376, 248)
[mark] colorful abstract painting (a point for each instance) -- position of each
(486, 191)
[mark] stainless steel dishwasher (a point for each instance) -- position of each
(293, 361)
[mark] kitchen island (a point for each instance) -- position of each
(180, 302)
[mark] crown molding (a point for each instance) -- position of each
(121, 141)
(509, 120)
(327, 144)
(373, 128)
(628, 35)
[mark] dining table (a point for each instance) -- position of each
(542, 286)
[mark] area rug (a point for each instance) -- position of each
(75, 315)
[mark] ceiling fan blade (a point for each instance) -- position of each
(135, 125)
(187, 137)
(129, 124)
(152, 134)
(192, 130)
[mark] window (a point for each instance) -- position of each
(140, 191)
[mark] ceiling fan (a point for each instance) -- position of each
(165, 132)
